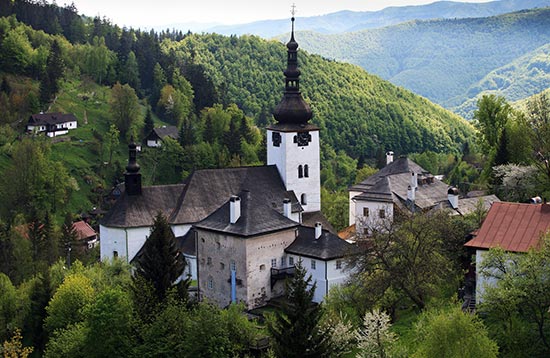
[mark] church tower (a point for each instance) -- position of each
(132, 176)
(293, 143)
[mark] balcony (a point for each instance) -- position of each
(281, 274)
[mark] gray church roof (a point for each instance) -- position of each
(256, 218)
(327, 247)
(203, 192)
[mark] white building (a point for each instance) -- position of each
(404, 186)
(53, 124)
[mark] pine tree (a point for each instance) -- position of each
(160, 262)
(502, 155)
(294, 328)
(149, 123)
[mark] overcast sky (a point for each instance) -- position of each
(149, 13)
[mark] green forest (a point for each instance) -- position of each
(439, 59)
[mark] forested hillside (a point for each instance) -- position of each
(520, 79)
(438, 59)
(349, 21)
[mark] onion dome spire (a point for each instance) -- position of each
(132, 177)
(292, 109)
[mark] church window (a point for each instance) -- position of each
(366, 212)
(303, 199)
(210, 283)
(273, 262)
(306, 171)
(382, 213)
(276, 139)
(313, 264)
(291, 261)
(300, 171)
(115, 254)
(302, 139)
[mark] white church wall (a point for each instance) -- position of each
(352, 194)
(288, 157)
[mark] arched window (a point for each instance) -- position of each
(300, 171)
(304, 199)
(306, 171)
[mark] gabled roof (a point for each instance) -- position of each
(380, 191)
(399, 166)
(327, 247)
(163, 132)
(187, 244)
(513, 226)
(208, 189)
(83, 230)
(140, 210)
(51, 118)
(203, 192)
(470, 204)
(256, 218)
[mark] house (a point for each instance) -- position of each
(514, 227)
(157, 135)
(234, 225)
(86, 236)
(404, 186)
(53, 124)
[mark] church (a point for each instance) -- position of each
(242, 230)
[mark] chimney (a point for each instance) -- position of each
(452, 195)
(318, 230)
(234, 209)
(414, 180)
(287, 207)
(411, 194)
(389, 157)
(536, 200)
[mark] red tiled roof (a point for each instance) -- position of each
(83, 230)
(513, 226)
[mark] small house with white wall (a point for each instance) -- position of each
(157, 135)
(52, 124)
(514, 227)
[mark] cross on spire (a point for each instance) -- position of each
(293, 9)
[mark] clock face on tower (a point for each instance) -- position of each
(302, 139)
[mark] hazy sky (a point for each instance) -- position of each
(149, 13)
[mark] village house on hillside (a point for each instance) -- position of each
(52, 124)
(242, 229)
(514, 227)
(404, 186)
(155, 138)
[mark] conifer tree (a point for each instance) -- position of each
(160, 262)
(149, 123)
(294, 328)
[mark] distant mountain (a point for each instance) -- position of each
(438, 59)
(349, 21)
(522, 78)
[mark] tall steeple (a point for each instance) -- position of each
(132, 177)
(292, 109)
(293, 142)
